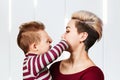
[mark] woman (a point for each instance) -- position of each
(82, 31)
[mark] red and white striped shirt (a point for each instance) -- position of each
(35, 66)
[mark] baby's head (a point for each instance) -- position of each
(33, 38)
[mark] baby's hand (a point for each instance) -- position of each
(67, 44)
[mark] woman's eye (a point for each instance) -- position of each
(67, 31)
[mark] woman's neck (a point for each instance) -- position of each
(77, 62)
(78, 55)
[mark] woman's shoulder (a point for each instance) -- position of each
(93, 73)
(94, 69)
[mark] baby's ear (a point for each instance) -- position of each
(83, 36)
(33, 46)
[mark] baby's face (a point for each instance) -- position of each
(45, 41)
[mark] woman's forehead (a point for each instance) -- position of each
(71, 24)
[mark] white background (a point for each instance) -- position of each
(55, 14)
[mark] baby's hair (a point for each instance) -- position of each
(28, 34)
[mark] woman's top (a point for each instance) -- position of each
(91, 73)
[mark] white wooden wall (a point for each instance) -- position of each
(55, 14)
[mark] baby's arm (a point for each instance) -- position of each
(43, 60)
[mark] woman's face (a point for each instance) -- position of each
(71, 35)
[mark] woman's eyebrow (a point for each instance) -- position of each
(67, 27)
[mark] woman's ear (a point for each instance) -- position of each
(83, 36)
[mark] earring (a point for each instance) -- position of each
(80, 42)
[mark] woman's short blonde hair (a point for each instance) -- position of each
(88, 22)
(91, 19)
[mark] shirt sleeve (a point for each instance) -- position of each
(41, 61)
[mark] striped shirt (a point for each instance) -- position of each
(35, 66)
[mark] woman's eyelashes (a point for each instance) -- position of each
(67, 31)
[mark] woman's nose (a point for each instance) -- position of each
(63, 36)
(50, 40)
